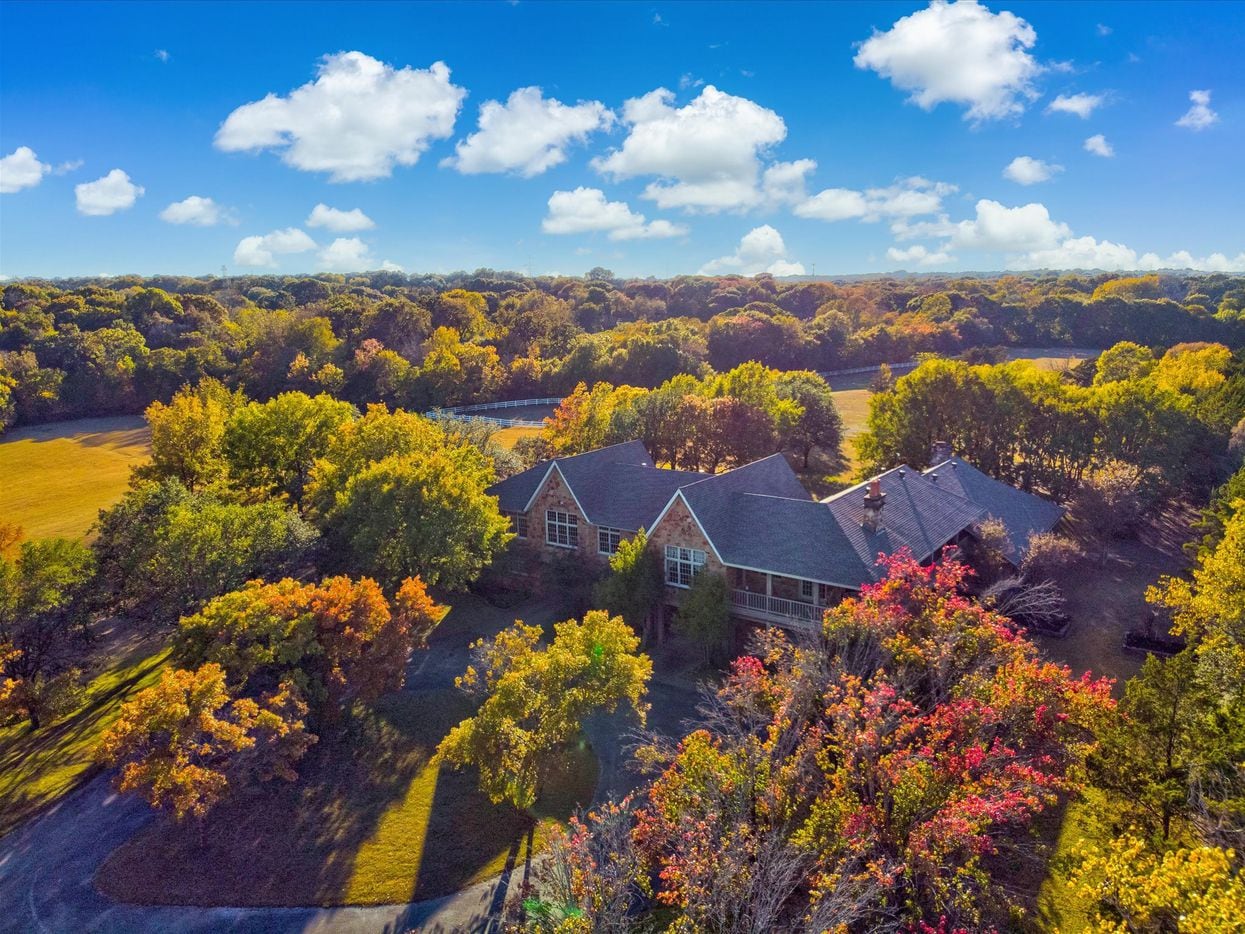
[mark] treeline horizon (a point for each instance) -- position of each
(94, 346)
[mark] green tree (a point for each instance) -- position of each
(1123, 361)
(419, 515)
(634, 586)
(704, 616)
(169, 550)
(536, 699)
(42, 632)
(819, 424)
(271, 446)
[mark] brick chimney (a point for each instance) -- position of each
(939, 451)
(875, 499)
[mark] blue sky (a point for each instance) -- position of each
(944, 137)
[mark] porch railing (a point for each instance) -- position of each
(776, 609)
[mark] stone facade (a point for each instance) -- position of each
(678, 527)
(555, 494)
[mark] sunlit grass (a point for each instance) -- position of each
(54, 479)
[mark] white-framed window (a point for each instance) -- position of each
(561, 528)
(608, 540)
(518, 523)
(806, 590)
(682, 564)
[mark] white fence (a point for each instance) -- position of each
(469, 411)
(776, 609)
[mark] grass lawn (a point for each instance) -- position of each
(369, 821)
(37, 768)
(57, 477)
(508, 437)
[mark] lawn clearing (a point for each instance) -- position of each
(509, 437)
(370, 821)
(38, 768)
(58, 477)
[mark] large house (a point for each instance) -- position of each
(786, 556)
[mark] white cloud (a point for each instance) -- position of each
(66, 167)
(760, 250)
(706, 154)
(262, 251)
(1104, 30)
(910, 197)
(1025, 170)
(1088, 253)
(1183, 259)
(346, 254)
(1199, 116)
(356, 120)
(21, 169)
(919, 255)
(1080, 104)
(337, 220)
(585, 210)
(1009, 230)
(162, 55)
(783, 182)
(196, 210)
(1098, 145)
(528, 134)
(390, 266)
(959, 53)
(108, 195)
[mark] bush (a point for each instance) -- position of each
(1049, 556)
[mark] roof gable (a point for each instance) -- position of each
(1024, 514)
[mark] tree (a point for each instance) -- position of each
(188, 433)
(419, 515)
(819, 425)
(536, 699)
(338, 642)
(872, 776)
(1123, 361)
(704, 616)
(182, 742)
(168, 550)
(271, 446)
(1110, 503)
(1135, 890)
(634, 586)
(42, 631)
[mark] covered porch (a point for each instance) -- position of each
(776, 600)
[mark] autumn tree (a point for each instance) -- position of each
(1133, 889)
(871, 776)
(338, 642)
(181, 743)
(187, 435)
(535, 698)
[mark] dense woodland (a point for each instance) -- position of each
(111, 346)
(298, 522)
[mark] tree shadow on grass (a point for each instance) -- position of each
(33, 756)
(369, 821)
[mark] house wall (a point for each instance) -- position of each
(554, 494)
(678, 527)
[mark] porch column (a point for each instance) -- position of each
(769, 585)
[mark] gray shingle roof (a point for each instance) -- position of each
(918, 515)
(617, 486)
(1023, 513)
